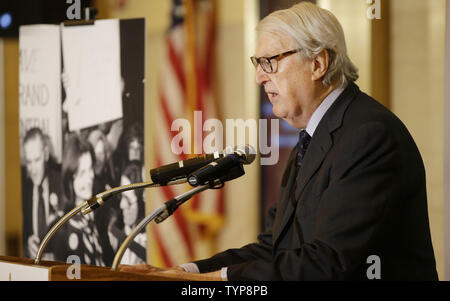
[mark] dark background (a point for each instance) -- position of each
(26, 12)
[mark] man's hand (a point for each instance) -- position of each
(147, 269)
(214, 276)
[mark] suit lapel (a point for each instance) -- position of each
(317, 151)
(320, 145)
(284, 203)
(315, 155)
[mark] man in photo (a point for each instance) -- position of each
(41, 191)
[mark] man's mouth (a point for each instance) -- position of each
(272, 95)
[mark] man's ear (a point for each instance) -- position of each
(319, 65)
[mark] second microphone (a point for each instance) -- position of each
(225, 168)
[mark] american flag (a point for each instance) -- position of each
(185, 87)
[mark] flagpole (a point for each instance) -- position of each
(190, 63)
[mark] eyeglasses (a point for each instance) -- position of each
(270, 64)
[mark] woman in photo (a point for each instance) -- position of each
(131, 148)
(133, 210)
(78, 180)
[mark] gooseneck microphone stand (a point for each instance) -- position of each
(90, 205)
(55, 228)
(159, 215)
(233, 171)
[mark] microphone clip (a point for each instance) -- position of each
(201, 176)
(171, 206)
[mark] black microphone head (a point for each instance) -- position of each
(247, 153)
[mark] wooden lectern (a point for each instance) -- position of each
(24, 269)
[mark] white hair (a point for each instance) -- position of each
(314, 29)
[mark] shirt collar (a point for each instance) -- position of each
(322, 109)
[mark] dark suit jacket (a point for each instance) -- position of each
(53, 173)
(360, 192)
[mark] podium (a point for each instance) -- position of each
(24, 269)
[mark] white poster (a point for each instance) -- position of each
(92, 75)
(94, 79)
(40, 83)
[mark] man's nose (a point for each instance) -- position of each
(260, 76)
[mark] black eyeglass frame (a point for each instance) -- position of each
(266, 62)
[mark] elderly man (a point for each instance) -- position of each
(41, 191)
(354, 187)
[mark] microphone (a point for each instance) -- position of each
(166, 173)
(225, 168)
(174, 171)
(241, 155)
(172, 205)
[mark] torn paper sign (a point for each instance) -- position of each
(92, 75)
(40, 83)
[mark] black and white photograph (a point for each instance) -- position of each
(101, 146)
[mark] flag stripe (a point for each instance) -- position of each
(177, 65)
(182, 91)
(162, 250)
(180, 221)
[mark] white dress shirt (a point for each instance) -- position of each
(322, 109)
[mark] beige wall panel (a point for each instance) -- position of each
(417, 94)
(352, 16)
(447, 149)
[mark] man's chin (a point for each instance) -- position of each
(279, 113)
(294, 123)
(282, 115)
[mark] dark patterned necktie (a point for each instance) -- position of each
(42, 224)
(303, 142)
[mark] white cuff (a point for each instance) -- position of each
(224, 273)
(190, 267)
